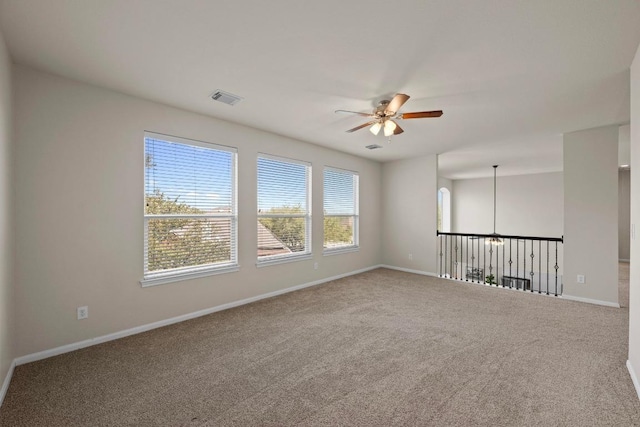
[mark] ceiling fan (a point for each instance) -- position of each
(384, 114)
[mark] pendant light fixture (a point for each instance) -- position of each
(495, 239)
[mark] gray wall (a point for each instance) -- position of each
(624, 214)
(634, 282)
(591, 214)
(79, 204)
(410, 213)
(445, 182)
(527, 205)
(7, 352)
(624, 145)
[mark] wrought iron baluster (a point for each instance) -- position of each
(556, 267)
(451, 271)
(524, 266)
(547, 267)
(539, 266)
(503, 264)
(467, 256)
(455, 264)
(446, 238)
(484, 260)
(531, 273)
(490, 263)
(459, 263)
(480, 275)
(440, 238)
(473, 262)
(517, 260)
(497, 265)
(461, 258)
(510, 261)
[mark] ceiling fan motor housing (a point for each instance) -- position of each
(382, 105)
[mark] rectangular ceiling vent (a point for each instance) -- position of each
(373, 146)
(226, 97)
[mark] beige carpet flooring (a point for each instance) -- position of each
(382, 348)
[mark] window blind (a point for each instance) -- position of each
(284, 208)
(190, 206)
(340, 209)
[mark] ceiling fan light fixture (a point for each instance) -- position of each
(375, 129)
(389, 127)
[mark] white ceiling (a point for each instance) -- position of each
(510, 75)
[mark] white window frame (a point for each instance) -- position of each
(294, 256)
(185, 273)
(355, 215)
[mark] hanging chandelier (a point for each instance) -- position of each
(495, 239)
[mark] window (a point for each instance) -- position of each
(340, 209)
(444, 210)
(284, 209)
(190, 216)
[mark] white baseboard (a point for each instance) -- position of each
(589, 300)
(634, 378)
(143, 328)
(408, 270)
(7, 380)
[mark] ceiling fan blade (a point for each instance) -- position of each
(362, 126)
(421, 114)
(395, 104)
(356, 112)
(398, 130)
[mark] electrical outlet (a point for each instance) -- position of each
(581, 278)
(410, 257)
(315, 265)
(83, 312)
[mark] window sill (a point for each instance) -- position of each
(284, 260)
(338, 251)
(178, 277)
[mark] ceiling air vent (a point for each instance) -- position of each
(373, 146)
(226, 97)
